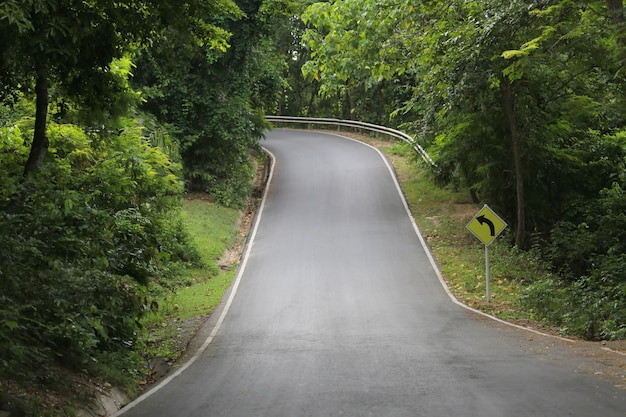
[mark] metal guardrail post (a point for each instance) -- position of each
(359, 125)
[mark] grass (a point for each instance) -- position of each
(442, 214)
(177, 315)
(212, 227)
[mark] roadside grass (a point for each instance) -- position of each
(176, 315)
(441, 214)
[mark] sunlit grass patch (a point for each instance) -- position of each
(212, 227)
(174, 316)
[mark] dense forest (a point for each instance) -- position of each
(111, 111)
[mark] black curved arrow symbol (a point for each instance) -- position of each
(482, 220)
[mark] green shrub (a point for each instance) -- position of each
(14, 152)
(591, 308)
(98, 222)
(235, 190)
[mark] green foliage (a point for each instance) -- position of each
(353, 54)
(77, 41)
(458, 62)
(79, 50)
(90, 199)
(587, 308)
(120, 368)
(590, 257)
(213, 102)
(13, 149)
(100, 220)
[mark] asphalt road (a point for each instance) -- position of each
(338, 312)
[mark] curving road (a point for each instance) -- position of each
(338, 312)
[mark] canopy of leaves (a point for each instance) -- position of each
(76, 41)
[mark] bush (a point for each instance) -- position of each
(588, 250)
(97, 223)
(586, 308)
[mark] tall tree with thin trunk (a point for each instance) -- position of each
(616, 11)
(70, 44)
(508, 98)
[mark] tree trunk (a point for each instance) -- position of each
(310, 110)
(617, 17)
(509, 110)
(616, 11)
(39, 147)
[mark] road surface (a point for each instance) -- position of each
(338, 312)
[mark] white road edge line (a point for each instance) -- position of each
(229, 302)
(431, 259)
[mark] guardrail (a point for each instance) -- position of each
(359, 125)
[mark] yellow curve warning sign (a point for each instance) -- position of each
(486, 225)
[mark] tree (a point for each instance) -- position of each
(214, 101)
(70, 44)
(352, 48)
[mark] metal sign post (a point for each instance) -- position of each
(486, 226)
(487, 272)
